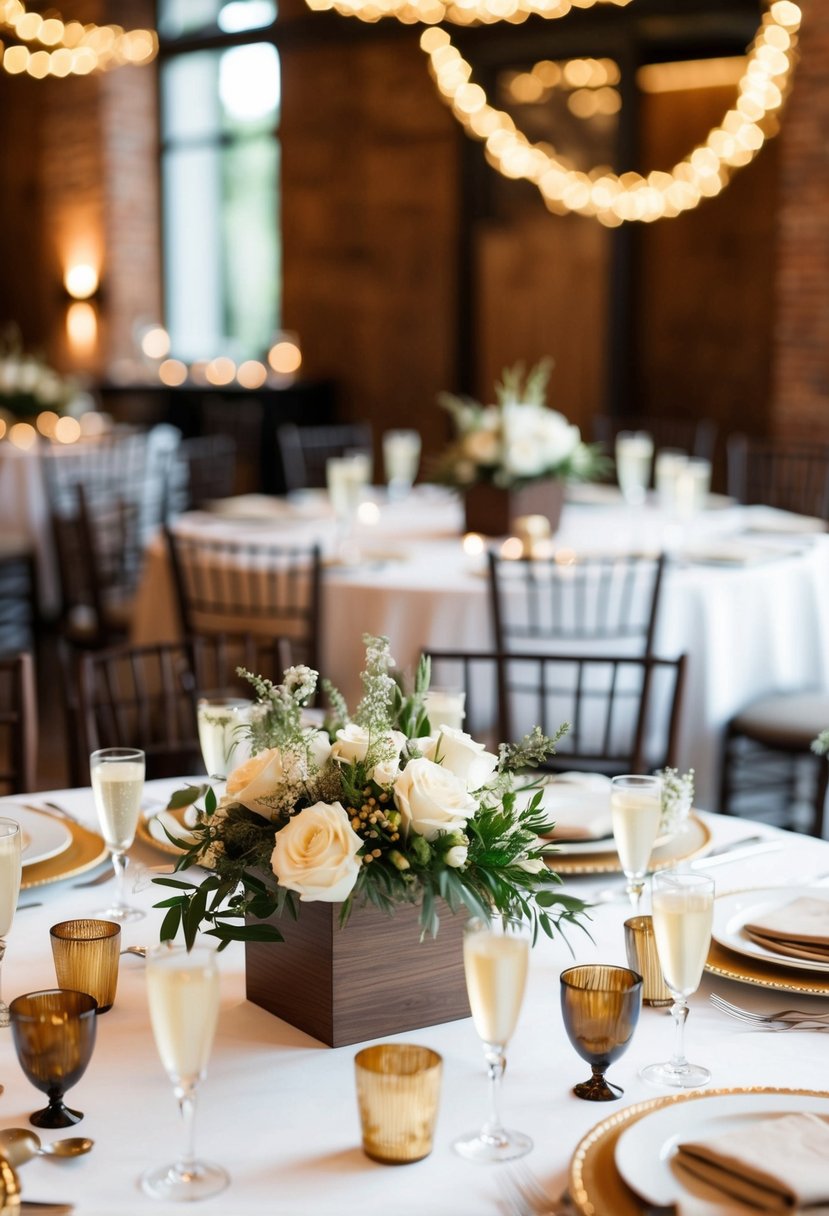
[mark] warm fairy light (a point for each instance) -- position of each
(473, 544)
(220, 371)
(285, 358)
(156, 342)
(172, 372)
(2, 428)
(512, 549)
(692, 74)
(79, 49)
(462, 12)
(46, 421)
(67, 430)
(566, 557)
(92, 423)
(629, 197)
(252, 374)
(22, 435)
(368, 513)
(81, 281)
(81, 327)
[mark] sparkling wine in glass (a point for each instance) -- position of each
(347, 480)
(10, 872)
(634, 454)
(495, 959)
(635, 812)
(683, 911)
(183, 993)
(222, 722)
(117, 784)
(401, 457)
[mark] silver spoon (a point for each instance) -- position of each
(21, 1145)
(141, 951)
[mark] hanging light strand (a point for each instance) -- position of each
(460, 12)
(612, 198)
(50, 46)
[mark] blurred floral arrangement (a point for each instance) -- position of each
(27, 384)
(517, 440)
(384, 808)
(677, 798)
(820, 745)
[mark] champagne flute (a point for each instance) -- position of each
(346, 478)
(183, 993)
(401, 457)
(10, 872)
(634, 453)
(117, 784)
(221, 721)
(683, 911)
(635, 812)
(495, 959)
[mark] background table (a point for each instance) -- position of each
(278, 1109)
(747, 628)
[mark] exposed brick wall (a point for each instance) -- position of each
(801, 335)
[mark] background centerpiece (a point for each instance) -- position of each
(375, 826)
(514, 457)
(28, 386)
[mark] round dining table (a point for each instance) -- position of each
(278, 1109)
(744, 594)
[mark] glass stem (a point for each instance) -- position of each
(186, 1096)
(679, 1012)
(4, 1009)
(120, 861)
(635, 888)
(496, 1063)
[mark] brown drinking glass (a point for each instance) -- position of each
(86, 954)
(600, 1005)
(54, 1033)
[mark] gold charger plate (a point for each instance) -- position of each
(692, 842)
(595, 1184)
(143, 832)
(732, 966)
(86, 850)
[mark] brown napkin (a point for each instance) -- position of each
(779, 1164)
(799, 929)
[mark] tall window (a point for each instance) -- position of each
(220, 105)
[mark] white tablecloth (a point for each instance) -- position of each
(278, 1109)
(747, 628)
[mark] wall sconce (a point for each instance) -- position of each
(82, 284)
(81, 281)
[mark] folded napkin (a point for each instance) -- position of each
(779, 1164)
(579, 803)
(799, 929)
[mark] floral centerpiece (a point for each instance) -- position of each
(385, 808)
(820, 745)
(27, 384)
(677, 799)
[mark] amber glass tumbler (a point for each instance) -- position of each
(87, 954)
(398, 1088)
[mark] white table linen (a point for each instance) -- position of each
(278, 1109)
(747, 628)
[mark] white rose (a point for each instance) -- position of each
(432, 799)
(316, 854)
(262, 776)
(456, 856)
(461, 755)
(531, 865)
(352, 744)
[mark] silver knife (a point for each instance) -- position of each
(747, 844)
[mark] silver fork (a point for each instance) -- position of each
(785, 1017)
(525, 1196)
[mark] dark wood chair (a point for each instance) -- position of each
(18, 723)
(19, 596)
(304, 450)
(216, 658)
(696, 436)
(258, 588)
(145, 697)
(612, 599)
(204, 470)
(793, 476)
(624, 712)
(766, 749)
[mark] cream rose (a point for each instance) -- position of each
(432, 799)
(352, 745)
(316, 854)
(262, 776)
(460, 754)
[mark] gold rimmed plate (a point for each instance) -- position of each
(745, 970)
(692, 841)
(596, 1186)
(85, 851)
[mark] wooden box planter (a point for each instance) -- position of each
(373, 978)
(492, 510)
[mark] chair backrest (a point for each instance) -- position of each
(18, 723)
(19, 598)
(696, 436)
(592, 599)
(216, 658)
(304, 450)
(145, 697)
(793, 476)
(204, 469)
(264, 589)
(623, 712)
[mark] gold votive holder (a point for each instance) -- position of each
(642, 956)
(398, 1088)
(87, 954)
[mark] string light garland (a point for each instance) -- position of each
(460, 12)
(68, 48)
(614, 198)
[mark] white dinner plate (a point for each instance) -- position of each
(644, 1152)
(732, 911)
(47, 835)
